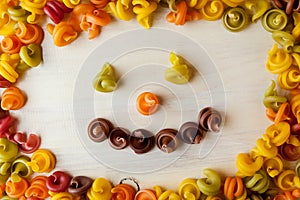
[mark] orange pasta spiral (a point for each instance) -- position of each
(179, 17)
(62, 33)
(30, 33)
(234, 188)
(12, 99)
(37, 188)
(99, 3)
(283, 114)
(11, 44)
(295, 103)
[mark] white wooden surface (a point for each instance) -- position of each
(239, 58)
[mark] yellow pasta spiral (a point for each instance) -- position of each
(277, 134)
(36, 8)
(233, 3)
(121, 9)
(288, 180)
(273, 166)
(247, 165)
(278, 60)
(212, 10)
(265, 149)
(143, 9)
(290, 78)
(198, 4)
(256, 8)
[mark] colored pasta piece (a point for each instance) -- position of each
(259, 182)
(278, 60)
(79, 185)
(212, 10)
(11, 44)
(290, 78)
(197, 4)
(105, 80)
(147, 103)
(273, 166)
(16, 189)
(8, 72)
(20, 169)
(122, 191)
(234, 188)
(71, 3)
(37, 188)
(29, 33)
(295, 104)
(17, 13)
(248, 165)
(179, 73)
(56, 10)
(62, 33)
(235, 19)
(122, 9)
(76, 16)
(93, 21)
(178, 17)
(188, 189)
(61, 195)
(256, 8)
(283, 114)
(285, 39)
(274, 20)
(271, 99)
(36, 9)
(277, 134)
(101, 189)
(145, 194)
(143, 10)
(265, 149)
(287, 6)
(287, 180)
(211, 185)
(42, 160)
(31, 54)
(6, 24)
(169, 194)
(12, 99)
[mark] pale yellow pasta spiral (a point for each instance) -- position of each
(121, 9)
(290, 78)
(143, 9)
(233, 3)
(278, 60)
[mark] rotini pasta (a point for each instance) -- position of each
(143, 10)
(123, 191)
(274, 20)
(287, 6)
(212, 10)
(278, 60)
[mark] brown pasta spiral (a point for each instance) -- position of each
(289, 6)
(190, 133)
(141, 141)
(166, 140)
(118, 138)
(99, 129)
(210, 119)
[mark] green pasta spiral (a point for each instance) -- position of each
(235, 19)
(259, 182)
(285, 39)
(274, 20)
(271, 99)
(211, 185)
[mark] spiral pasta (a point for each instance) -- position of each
(143, 10)
(278, 60)
(290, 78)
(36, 9)
(179, 73)
(265, 149)
(37, 188)
(283, 113)
(287, 180)
(145, 194)
(20, 169)
(212, 10)
(168, 195)
(259, 182)
(123, 192)
(17, 13)
(274, 20)
(235, 19)
(121, 9)
(188, 189)
(234, 188)
(295, 104)
(210, 185)
(277, 134)
(178, 17)
(286, 40)
(271, 99)
(12, 99)
(11, 44)
(256, 8)
(62, 33)
(99, 3)
(16, 189)
(105, 80)
(273, 166)
(71, 3)
(287, 6)
(42, 160)
(233, 3)
(197, 4)
(247, 165)
(61, 195)
(8, 72)
(31, 54)
(6, 24)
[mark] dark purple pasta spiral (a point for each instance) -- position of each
(289, 6)
(190, 133)
(118, 138)
(166, 140)
(79, 185)
(210, 119)
(141, 141)
(99, 129)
